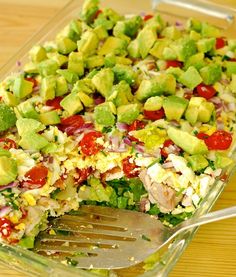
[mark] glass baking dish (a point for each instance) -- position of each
(223, 17)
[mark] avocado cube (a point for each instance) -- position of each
(60, 59)
(50, 118)
(222, 160)
(72, 104)
(209, 30)
(197, 162)
(194, 35)
(124, 73)
(47, 89)
(121, 94)
(89, 9)
(30, 68)
(169, 54)
(175, 71)
(174, 107)
(158, 48)
(4, 152)
(33, 141)
(84, 85)
(103, 114)
(232, 44)
(146, 39)
(61, 86)
(47, 67)
(230, 67)
(191, 114)
(27, 110)
(101, 32)
(113, 45)
(196, 60)
(88, 43)
(27, 242)
(8, 170)
(184, 48)
(85, 99)
(211, 73)
(103, 81)
(128, 113)
(190, 78)
(94, 61)
(28, 125)
(76, 63)
(65, 45)
(205, 111)
(186, 141)
(37, 54)
(154, 103)
(9, 98)
(206, 44)
(171, 32)
(194, 24)
(133, 49)
(71, 77)
(22, 87)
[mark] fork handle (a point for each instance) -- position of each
(207, 218)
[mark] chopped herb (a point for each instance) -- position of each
(56, 138)
(195, 132)
(54, 193)
(104, 154)
(63, 232)
(145, 238)
(211, 164)
(106, 129)
(154, 162)
(180, 191)
(71, 261)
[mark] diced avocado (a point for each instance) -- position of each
(27, 242)
(162, 83)
(184, 48)
(146, 39)
(30, 68)
(47, 67)
(233, 83)
(8, 170)
(60, 59)
(4, 152)
(187, 142)
(28, 125)
(209, 30)
(94, 61)
(222, 161)
(26, 109)
(174, 107)
(48, 86)
(88, 43)
(128, 113)
(157, 22)
(133, 49)
(232, 44)
(194, 24)
(85, 99)
(72, 31)
(197, 162)
(103, 81)
(169, 54)
(175, 71)
(230, 67)
(61, 86)
(101, 32)
(108, 18)
(71, 77)
(158, 47)
(153, 103)
(124, 73)
(9, 98)
(205, 111)
(206, 44)
(194, 35)
(113, 45)
(76, 63)
(33, 141)
(22, 87)
(89, 9)
(65, 45)
(123, 60)
(211, 73)
(84, 85)
(121, 94)
(196, 60)
(103, 114)
(72, 104)
(37, 54)
(49, 118)
(7, 117)
(190, 78)
(171, 32)
(128, 27)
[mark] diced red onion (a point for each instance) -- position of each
(140, 148)
(122, 126)
(127, 141)
(215, 100)
(86, 127)
(5, 211)
(36, 88)
(114, 142)
(178, 23)
(98, 99)
(220, 125)
(174, 123)
(224, 81)
(18, 63)
(167, 165)
(8, 186)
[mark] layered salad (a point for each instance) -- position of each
(129, 112)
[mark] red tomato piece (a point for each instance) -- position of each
(130, 169)
(136, 125)
(36, 177)
(88, 144)
(219, 140)
(97, 14)
(31, 79)
(54, 103)
(232, 60)
(83, 174)
(5, 227)
(147, 17)
(154, 115)
(202, 136)
(71, 124)
(174, 64)
(167, 143)
(220, 43)
(205, 91)
(7, 143)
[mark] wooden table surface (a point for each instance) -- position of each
(212, 253)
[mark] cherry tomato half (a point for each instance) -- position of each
(205, 91)
(220, 43)
(83, 174)
(167, 143)
(88, 144)
(36, 177)
(32, 80)
(147, 17)
(71, 124)
(136, 125)
(130, 169)
(7, 143)
(5, 227)
(154, 115)
(174, 64)
(219, 140)
(54, 103)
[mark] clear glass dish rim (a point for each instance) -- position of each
(32, 264)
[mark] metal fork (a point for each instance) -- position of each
(102, 237)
